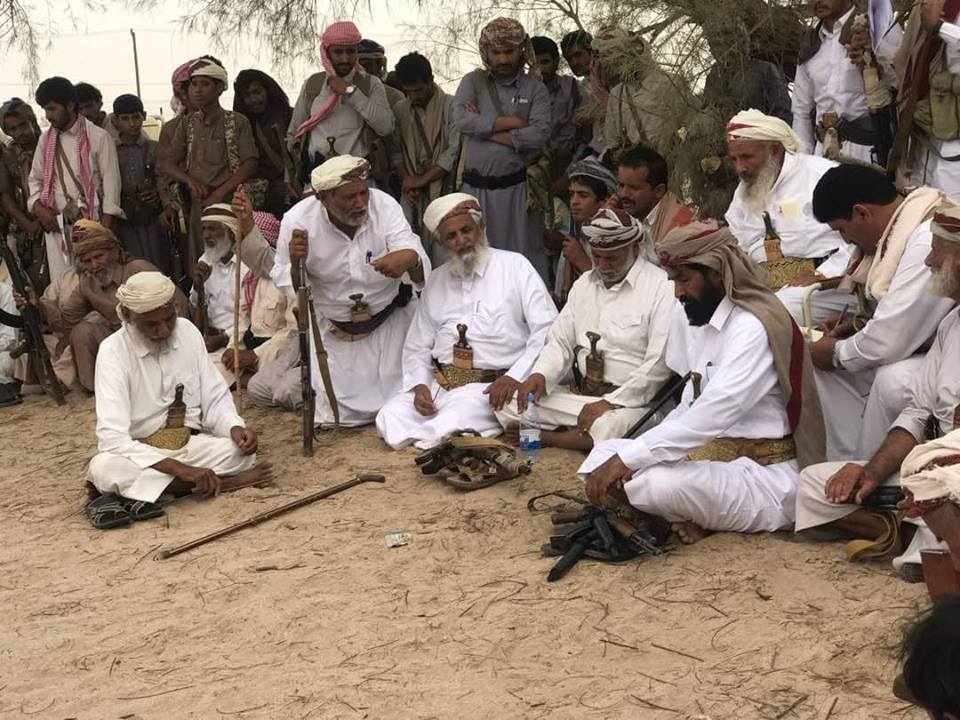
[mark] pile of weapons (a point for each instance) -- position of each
(600, 534)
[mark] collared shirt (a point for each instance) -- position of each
(90, 295)
(740, 392)
(827, 82)
(220, 292)
(790, 205)
(337, 265)
(525, 97)
(418, 159)
(566, 99)
(935, 390)
(905, 318)
(138, 164)
(633, 320)
(505, 306)
(346, 120)
(104, 169)
(136, 385)
(209, 159)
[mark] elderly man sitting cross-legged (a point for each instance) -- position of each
(165, 419)
(481, 321)
(728, 457)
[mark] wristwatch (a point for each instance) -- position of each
(350, 90)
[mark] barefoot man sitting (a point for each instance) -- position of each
(728, 457)
(165, 419)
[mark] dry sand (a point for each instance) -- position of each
(311, 616)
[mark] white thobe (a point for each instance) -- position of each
(633, 320)
(790, 206)
(507, 310)
(366, 372)
(105, 172)
(135, 386)
(740, 397)
(903, 323)
(220, 290)
(829, 82)
(8, 335)
(926, 166)
(933, 389)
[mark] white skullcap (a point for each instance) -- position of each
(144, 292)
(754, 125)
(448, 206)
(338, 171)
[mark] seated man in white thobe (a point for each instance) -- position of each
(624, 306)
(9, 388)
(932, 410)
(482, 319)
(362, 262)
(869, 358)
(149, 444)
(728, 457)
(778, 178)
(215, 274)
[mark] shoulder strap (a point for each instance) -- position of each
(230, 132)
(481, 78)
(190, 130)
(811, 44)
(313, 87)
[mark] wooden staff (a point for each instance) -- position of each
(268, 514)
(236, 316)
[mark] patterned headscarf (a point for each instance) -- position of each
(89, 235)
(946, 221)
(449, 206)
(338, 171)
(269, 228)
(338, 33)
(505, 32)
(612, 229)
(222, 214)
(178, 103)
(754, 125)
(591, 167)
(210, 69)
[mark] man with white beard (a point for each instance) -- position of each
(832, 493)
(482, 320)
(778, 178)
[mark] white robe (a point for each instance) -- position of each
(740, 397)
(135, 387)
(8, 335)
(507, 310)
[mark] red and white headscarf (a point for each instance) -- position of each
(946, 221)
(611, 229)
(754, 125)
(47, 192)
(269, 228)
(339, 33)
(178, 102)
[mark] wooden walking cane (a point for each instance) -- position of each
(236, 317)
(272, 513)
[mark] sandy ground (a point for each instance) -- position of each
(311, 616)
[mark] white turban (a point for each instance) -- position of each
(338, 171)
(223, 214)
(144, 292)
(754, 125)
(448, 206)
(946, 221)
(208, 68)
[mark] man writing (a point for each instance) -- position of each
(361, 261)
(480, 323)
(728, 457)
(139, 372)
(617, 317)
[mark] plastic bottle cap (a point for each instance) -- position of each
(529, 397)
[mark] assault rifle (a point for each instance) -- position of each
(29, 321)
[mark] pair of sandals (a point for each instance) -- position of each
(109, 511)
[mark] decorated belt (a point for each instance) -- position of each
(168, 438)
(762, 451)
(493, 182)
(458, 377)
(592, 388)
(353, 331)
(788, 270)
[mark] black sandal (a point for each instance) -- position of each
(106, 512)
(141, 509)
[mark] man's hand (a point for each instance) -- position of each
(21, 302)
(573, 252)
(851, 477)
(395, 264)
(299, 247)
(501, 391)
(151, 197)
(168, 216)
(590, 412)
(243, 209)
(215, 342)
(821, 352)
(198, 190)
(47, 217)
(611, 474)
(470, 107)
(244, 438)
(423, 401)
(536, 384)
(206, 483)
(337, 85)
(836, 327)
(201, 271)
(411, 187)
(931, 13)
(248, 359)
(31, 228)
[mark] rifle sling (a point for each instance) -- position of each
(324, 368)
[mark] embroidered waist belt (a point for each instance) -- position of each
(458, 377)
(763, 451)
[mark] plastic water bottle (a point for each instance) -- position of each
(530, 430)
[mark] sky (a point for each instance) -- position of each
(99, 51)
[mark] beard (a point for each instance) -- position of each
(612, 276)
(757, 191)
(102, 276)
(944, 282)
(353, 220)
(156, 346)
(464, 265)
(699, 312)
(220, 248)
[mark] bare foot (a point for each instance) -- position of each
(689, 532)
(511, 434)
(257, 476)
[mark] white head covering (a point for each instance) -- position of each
(223, 214)
(754, 125)
(448, 206)
(946, 221)
(611, 229)
(338, 171)
(208, 68)
(144, 292)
